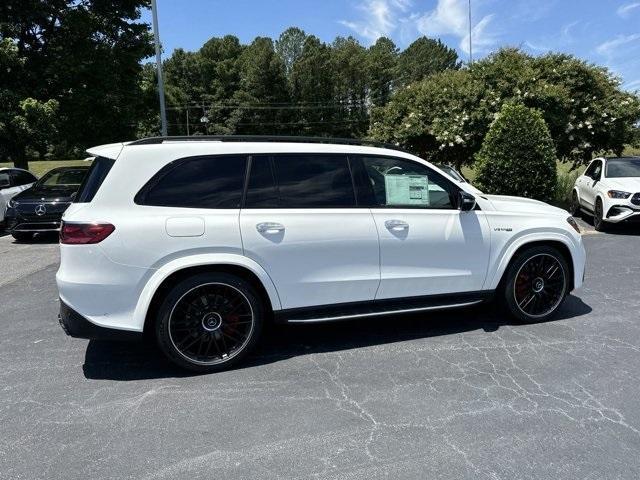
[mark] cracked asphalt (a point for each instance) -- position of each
(458, 394)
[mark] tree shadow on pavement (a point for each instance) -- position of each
(143, 360)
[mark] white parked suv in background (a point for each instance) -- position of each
(12, 182)
(200, 240)
(609, 189)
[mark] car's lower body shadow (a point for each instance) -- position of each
(143, 360)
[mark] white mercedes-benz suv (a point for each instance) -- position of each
(609, 189)
(200, 241)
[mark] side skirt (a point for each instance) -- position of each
(375, 308)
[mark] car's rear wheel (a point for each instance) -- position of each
(22, 236)
(209, 322)
(536, 283)
(598, 223)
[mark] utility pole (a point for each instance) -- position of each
(156, 37)
(470, 35)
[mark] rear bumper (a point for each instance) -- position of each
(75, 325)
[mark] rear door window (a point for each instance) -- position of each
(313, 181)
(197, 182)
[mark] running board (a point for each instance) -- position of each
(351, 311)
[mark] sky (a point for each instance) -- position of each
(604, 32)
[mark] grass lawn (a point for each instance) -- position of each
(40, 167)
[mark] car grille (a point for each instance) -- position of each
(636, 199)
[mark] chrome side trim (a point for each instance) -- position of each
(386, 312)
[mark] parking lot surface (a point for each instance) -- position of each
(458, 394)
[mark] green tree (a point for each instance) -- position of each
(349, 60)
(262, 90)
(289, 46)
(425, 57)
(382, 62)
(518, 155)
(312, 89)
(84, 55)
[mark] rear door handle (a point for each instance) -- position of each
(269, 227)
(396, 225)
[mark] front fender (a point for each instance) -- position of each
(508, 250)
(199, 260)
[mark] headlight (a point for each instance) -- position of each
(12, 204)
(574, 224)
(618, 194)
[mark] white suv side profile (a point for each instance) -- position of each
(201, 240)
(609, 189)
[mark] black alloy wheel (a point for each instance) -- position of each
(598, 222)
(536, 284)
(574, 206)
(209, 322)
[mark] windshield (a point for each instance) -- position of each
(63, 178)
(623, 167)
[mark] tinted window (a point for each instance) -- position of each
(23, 178)
(199, 182)
(261, 188)
(594, 170)
(395, 182)
(623, 167)
(308, 181)
(5, 180)
(92, 182)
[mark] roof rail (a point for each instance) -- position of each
(264, 138)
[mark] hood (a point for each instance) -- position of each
(46, 194)
(504, 203)
(626, 184)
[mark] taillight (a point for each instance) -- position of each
(84, 233)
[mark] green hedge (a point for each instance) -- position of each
(518, 156)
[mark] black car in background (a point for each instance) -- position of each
(40, 208)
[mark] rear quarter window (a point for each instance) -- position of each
(94, 179)
(197, 182)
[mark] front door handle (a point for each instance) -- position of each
(396, 225)
(269, 227)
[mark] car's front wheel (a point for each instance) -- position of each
(598, 217)
(574, 206)
(536, 283)
(209, 322)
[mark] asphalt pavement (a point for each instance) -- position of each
(458, 394)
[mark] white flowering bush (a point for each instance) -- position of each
(446, 116)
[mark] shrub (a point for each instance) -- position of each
(564, 188)
(517, 155)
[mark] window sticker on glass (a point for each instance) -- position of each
(407, 190)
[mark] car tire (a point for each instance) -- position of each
(209, 322)
(535, 284)
(598, 222)
(574, 206)
(22, 236)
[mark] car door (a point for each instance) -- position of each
(301, 223)
(588, 186)
(8, 190)
(427, 245)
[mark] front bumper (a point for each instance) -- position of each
(24, 218)
(623, 213)
(75, 325)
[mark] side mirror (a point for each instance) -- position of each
(466, 201)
